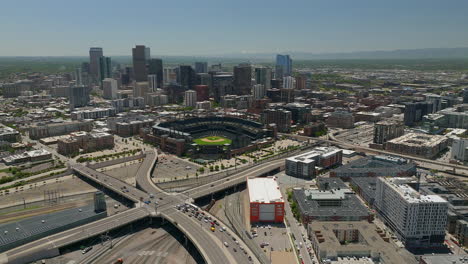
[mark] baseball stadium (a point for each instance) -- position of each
(209, 137)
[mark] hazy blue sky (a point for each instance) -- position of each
(212, 27)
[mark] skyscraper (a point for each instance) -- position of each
(94, 55)
(201, 67)
(283, 66)
(301, 82)
(104, 68)
(79, 96)
(263, 76)
(243, 79)
(152, 82)
(222, 85)
(186, 77)
(109, 87)
(155, 67)
(78, 76)
(289, 82)
(139, 54)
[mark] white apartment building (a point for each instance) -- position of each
(259, 91)
(190, 98)
(459, 149)
(418, 220)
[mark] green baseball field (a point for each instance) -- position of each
(212, 140)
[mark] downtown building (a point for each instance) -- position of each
(280, 117)
(242, 79)
(58, 129)
(416, 144)
(95, 53)
(109, 87)
(190, 98)
(140, 57)
(304, 165)
(387, 130)
(79, 96)
(283, 66)
(340, 119)
(418, 220)
(89, 142)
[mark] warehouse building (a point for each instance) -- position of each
(332, 201)
(375, 166)
(28, 156)
(266, 200)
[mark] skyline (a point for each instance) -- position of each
(211, 28)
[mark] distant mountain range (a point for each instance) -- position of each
(429, 53)
(402, 54)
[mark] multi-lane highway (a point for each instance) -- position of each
(209, 244)
(50, 245)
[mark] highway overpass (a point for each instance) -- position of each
(49, 246)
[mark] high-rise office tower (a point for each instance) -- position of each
(94, 55)
(259, 91)
(414, 112)
(155, 67)
(109, 87)
(301, 82)
(186, 77)
(289, 82)
(242, 79)
(147, 54)
(79, 96)
(283, 66)
(152, 82)
(201, 67)
(222, 85)
(465, 96)
(190, 98)
(105, 68)
(78, 76)
(140, 71)
(263, 76)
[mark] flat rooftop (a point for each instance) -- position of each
(419, 140)
(369, 241)
(410, 194)
(311, 156)
(264, 190)
(350, 206)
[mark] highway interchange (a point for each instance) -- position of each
(209, 244)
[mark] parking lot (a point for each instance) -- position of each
(171, 167)
(272, 237)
